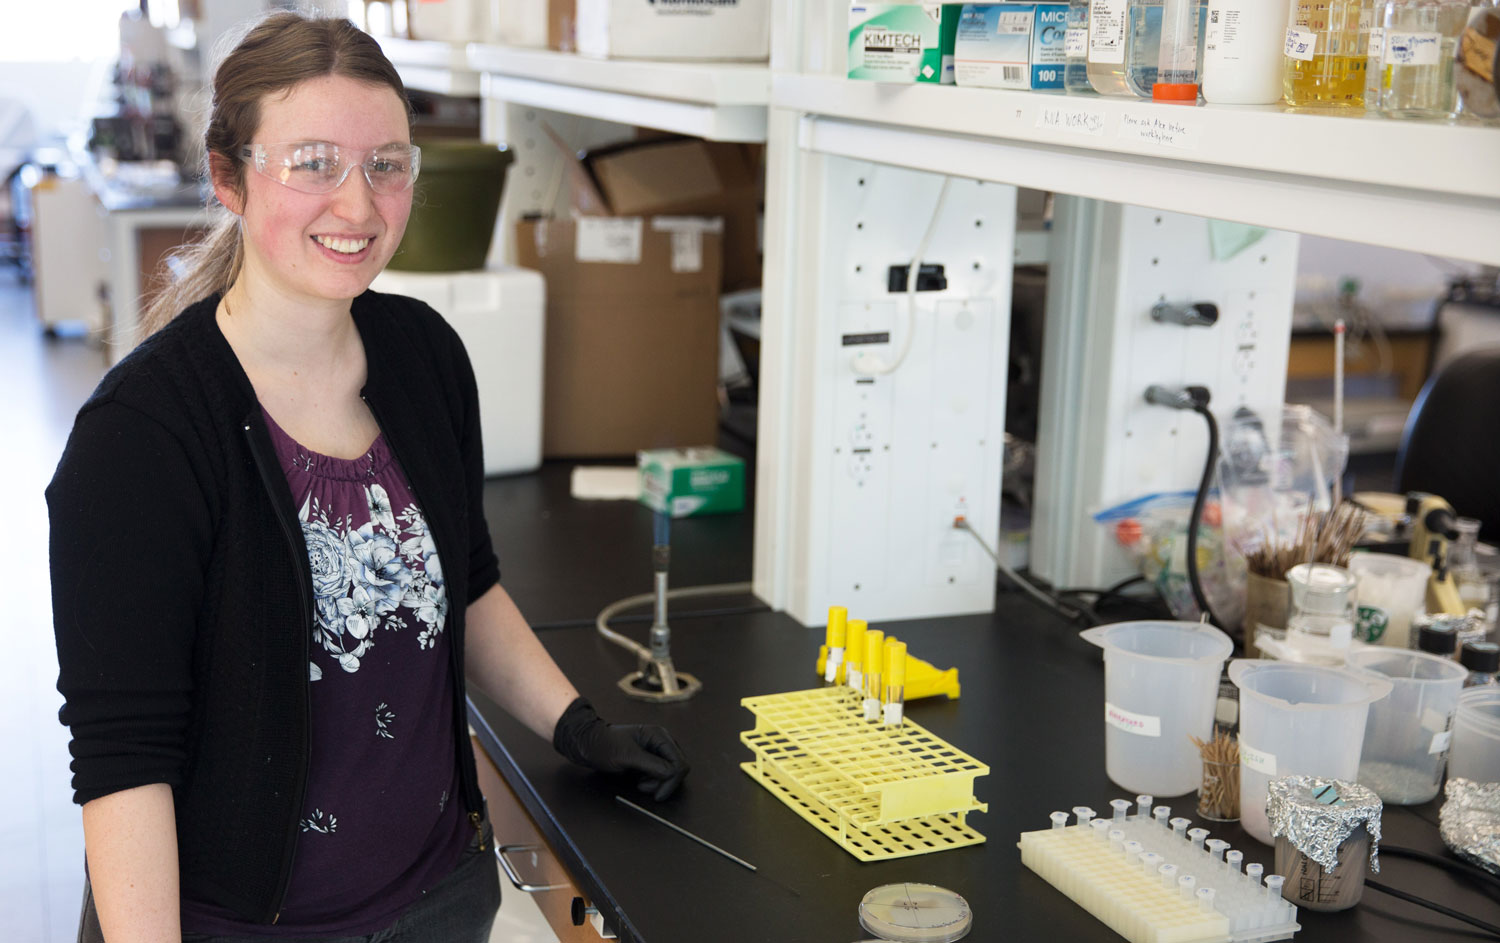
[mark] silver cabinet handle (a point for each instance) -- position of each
(501, 852)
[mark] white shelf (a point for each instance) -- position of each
(718, 101)
(1424, 186)
(431, 66)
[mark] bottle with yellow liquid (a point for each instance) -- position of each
(1327, 43)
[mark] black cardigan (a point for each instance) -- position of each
(182, 594)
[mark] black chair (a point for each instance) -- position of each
(1451, 445)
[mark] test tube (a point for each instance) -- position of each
(1253, 871)
(1083, 813)
(838, 626)
(895, 682)
(1273, 885)
(1100, 828)
(1161, 813)
(1177, 65)
(1132, 850)
(1121, 807)
(1216, 847)
(1186, 886)
(854, 656)
(1196, 836)
(1143, 805)
(1179, 827)
(874, 656)
(1234, 858)
(1150, 862)
(1059, 820)
(1116, 840)
(1168, 874)
(1205, 899)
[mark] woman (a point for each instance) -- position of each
(270, 566)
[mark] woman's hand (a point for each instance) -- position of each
(644, 750)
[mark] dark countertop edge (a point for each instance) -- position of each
(588, 882)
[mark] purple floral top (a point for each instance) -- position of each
(382, 822)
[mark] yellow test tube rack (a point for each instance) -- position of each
(923, 679)
(879, 791)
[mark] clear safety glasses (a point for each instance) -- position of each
(319, 167)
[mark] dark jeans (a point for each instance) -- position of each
(460, 909)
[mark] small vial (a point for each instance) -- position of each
(1216, 847)
(1100, 828)
(1116, 840)
(1234, 858)
(1206, 899)
(1150, 862)
(1273, 884)
(1143, 805)
(1187, 885)
(1253, 872)
(1133, 850)
(1196, 835)
(1179, 827)
(1121, 807)
(1168, 874)
(1059, 820)
(1161, 813)
(1083, 813)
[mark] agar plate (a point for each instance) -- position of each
(915, 913)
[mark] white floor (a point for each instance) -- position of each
(42, 384)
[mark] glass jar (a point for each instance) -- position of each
(1327, 43)
(1076, 50)
(1463, 565)
(1108, 31)
(1420, 46)
(1143, 43)
(1320, 624)
(1474, 72)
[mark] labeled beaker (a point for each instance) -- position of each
(1326, 48)
(1420, 45)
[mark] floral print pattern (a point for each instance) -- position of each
(363, 576)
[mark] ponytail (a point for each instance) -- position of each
(209, 265)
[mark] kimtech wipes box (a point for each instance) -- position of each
(1011, 45)
(689, 482)
(675, 29)
(902, 42)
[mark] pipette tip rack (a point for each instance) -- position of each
(1151, 879)
(879, 791)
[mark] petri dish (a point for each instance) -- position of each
(915, 913)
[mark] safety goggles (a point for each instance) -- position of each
(319, 167)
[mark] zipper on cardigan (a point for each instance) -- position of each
(304, 586)
(478, 822)
(460, 715)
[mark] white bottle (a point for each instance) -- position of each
(1242, 53)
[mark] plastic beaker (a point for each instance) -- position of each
(1476, 736)
(1407, 734)
(1391, 591)
(1161, 684)
(1297, 719)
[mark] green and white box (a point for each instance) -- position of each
(903, 42)
(689, 482)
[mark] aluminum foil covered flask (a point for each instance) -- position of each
(1325, 831)
(1470, 821)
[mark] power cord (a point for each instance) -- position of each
(1433, 906)
(1195, 399)
(1025, 585)
(869, 365)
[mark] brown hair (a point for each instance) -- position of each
(278, 52)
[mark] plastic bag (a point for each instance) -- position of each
(1267, 491)
(1153, 530)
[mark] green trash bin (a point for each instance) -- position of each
(453, 208)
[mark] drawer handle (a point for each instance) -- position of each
(501, 854)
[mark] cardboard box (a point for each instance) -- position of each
(1011, 45)
(903, 42)
(691, 482)
(688, 177)
(675, 29)
(632, 332)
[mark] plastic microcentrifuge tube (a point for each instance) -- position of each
(1186, 885)
(1116, 840)
(1196, 836)
(854, 656)
(1150, 862)
(1143, 805)
(1179, 827)
(1205, 899)
(1168, 874)
(1161, 813)
(894, 701)
(1100, 828)
(1254, 871)
(1234, 858)
(1121, 807)
(1273, 885)
(1059, 819)
(838, 627)
(1216, 847)
(1133, 851)
(1177, 66)
(1084, 814)
(874, 655)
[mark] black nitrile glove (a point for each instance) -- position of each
(645, 750)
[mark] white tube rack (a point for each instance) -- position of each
(1155, 881)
